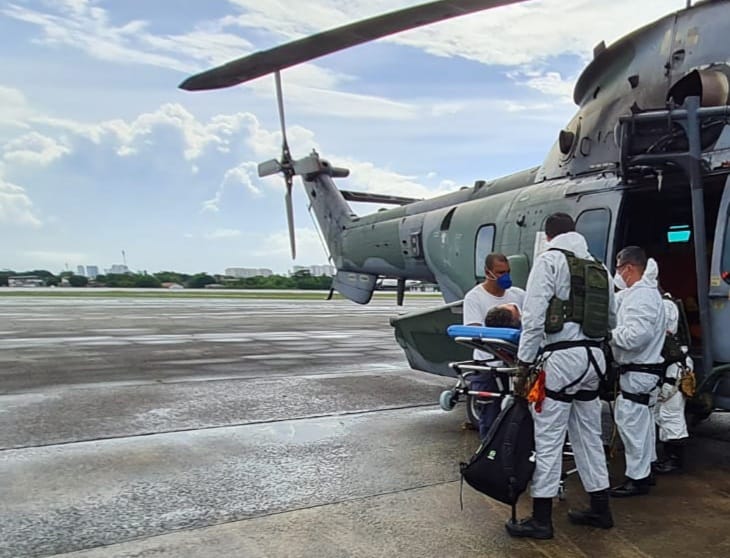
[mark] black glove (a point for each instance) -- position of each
(522, 378)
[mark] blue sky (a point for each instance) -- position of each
(100, 152)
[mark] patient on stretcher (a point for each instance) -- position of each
(502, 322)
(503, 315)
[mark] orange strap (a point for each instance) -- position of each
(536, 394)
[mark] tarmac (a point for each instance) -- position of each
(234, 427)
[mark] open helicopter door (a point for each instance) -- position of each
(720, 303)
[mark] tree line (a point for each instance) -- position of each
(299, 280)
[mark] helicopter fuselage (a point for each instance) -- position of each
(624, 167)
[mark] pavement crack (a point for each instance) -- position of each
(220, 426)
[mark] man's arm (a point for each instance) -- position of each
(473, 314)
(540, 289)
(637, 325)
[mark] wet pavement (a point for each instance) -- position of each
(146, 427)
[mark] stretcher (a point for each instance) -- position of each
(502, 343)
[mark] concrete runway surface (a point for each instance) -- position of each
(253, 428)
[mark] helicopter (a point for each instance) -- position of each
(644, 161)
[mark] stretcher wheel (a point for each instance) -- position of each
(447, 401)
(474, 409)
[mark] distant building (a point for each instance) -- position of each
(80, 270)
(92, 271)
(118, 269)
(26, 281)
(316, 270)
(245, 272)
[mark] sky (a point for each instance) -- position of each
(100, 152)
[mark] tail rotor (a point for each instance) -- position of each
(285, 166)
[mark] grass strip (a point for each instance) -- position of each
(165, 293)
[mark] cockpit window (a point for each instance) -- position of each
(484, 245)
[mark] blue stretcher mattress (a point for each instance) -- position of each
(502, 333)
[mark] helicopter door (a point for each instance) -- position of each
(720, 281)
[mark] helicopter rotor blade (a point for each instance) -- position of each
(290, 216)
(280, 102)
(295, 52)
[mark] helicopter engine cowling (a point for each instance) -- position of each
(711, 85)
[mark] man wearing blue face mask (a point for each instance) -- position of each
(495, 290)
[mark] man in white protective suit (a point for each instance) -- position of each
(669, 410)
(572, 363)
(637, 343)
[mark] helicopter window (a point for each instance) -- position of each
(593, 225)
(484, 245)
(446, 223)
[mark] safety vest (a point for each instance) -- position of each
(588, 303)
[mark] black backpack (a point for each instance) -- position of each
(672, 351)
(503, 464)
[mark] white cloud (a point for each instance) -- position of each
(326, 99)
(128, 137)
(548, 83)
(83, 25)
(244, 174)
(519, 34)
(365, 176)
(16, 208)
(14, 108)
(511, 106)
(138, 137)
(222, 233)
(34, 148)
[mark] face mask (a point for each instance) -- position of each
(619, 282)
(504, 281)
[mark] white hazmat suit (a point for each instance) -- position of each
(669, 410)
(550, 276)
(638, 340)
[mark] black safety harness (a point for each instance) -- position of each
(657, 370)
(583, 394)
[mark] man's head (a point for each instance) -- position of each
(558, 223)
(503, 315)
(496, 272)
(630, 264)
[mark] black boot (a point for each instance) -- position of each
(631, 487)
(598, 515)
(539, 526)
(674, 463)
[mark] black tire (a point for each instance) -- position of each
(474, 410)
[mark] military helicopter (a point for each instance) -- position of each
(651, 134)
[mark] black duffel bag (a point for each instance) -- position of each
(503, 464)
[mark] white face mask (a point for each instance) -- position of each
(619, 282)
